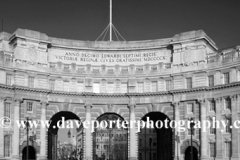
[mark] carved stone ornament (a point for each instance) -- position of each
(187, 56)
(110, 108)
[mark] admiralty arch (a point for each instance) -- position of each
(178, 78)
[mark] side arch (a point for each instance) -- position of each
(187, 143)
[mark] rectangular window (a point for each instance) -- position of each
(110, 87)
(211, 81)
(8, 79)
(124, 88)
(81, 87)
(7, 145)
(117, 86)
(140, 156)
(226, 78)
(154, 86)
(168, 85)
(7, 111)
(52, 84)
(96, 88)
(227, 103)
(212, 105)
(190, 108)
(150, 141)
(228, 149)
(140, 87)
(140, 142)
(189, 132)
(189, 83)
(212, 149)
(66, 86)
(31, 82)
(228, 127)
(212, 129)
(29, 107)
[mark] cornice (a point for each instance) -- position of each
(148, 94)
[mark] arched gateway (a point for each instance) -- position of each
(184, 76)
(53, 130)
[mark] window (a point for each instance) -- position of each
(30, 82)
(140, 156)
(147, 85)
(189, 132)
(7, 111)
(154, 86)
(211, 81)
(124, 88)
(140, 142)
(65, 86)
(110, 87)
(140, 87)
(150, 141)
(52, 84)
(154, 68)
(227, 103)
(8, 79)
(189, 83)
(29, 107)
(212, 129)
(117, 86)
(228, 149)
(81, 87)
(226, 78)
(190, 108)
(212, 105)
(212, 149)
(7, 145)
(168, 85)
(96, 88)
(228, 127)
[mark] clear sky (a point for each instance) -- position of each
(134, 19)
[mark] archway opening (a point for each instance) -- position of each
(155, 143)
(188, 153)
(58, 119)
(31, 153)
(110, 143)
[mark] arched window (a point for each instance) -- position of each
(7, 143)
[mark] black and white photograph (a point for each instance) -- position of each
(119, 80)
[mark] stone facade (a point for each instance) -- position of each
(41, 76)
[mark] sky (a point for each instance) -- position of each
(134, 19)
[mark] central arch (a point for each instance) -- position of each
(156, 143)
(31, 153)
(53, 130)
(110, 143)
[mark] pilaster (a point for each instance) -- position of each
(133, 140)
(219, 141)
(235, 140)
(177, 136)
(88, 137)
(204, 140)
(15, 137)
(2, 100)
(43, 132)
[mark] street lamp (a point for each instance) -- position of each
(27, 126)
(192, 124)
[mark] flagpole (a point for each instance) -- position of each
(110, 21)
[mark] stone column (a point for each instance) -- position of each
(235, 139)
(219, 142)
(204, 140)
(88, 137)
(132, 145)
(2, 100)
(43, 155)
(15, 136)
(177, 136)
